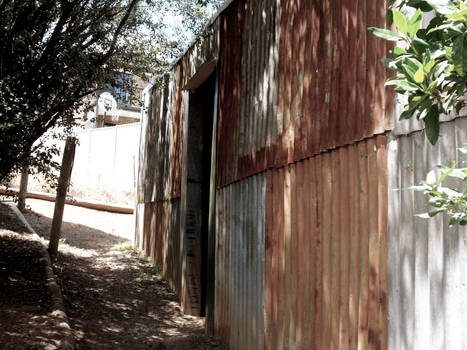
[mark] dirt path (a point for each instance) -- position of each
(26, 319)
(113, 297)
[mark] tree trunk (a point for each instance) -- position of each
(23, 188)
(63, 182)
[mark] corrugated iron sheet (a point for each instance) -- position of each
(231, 30)
(176, 145)
(158, 234)
(326, 251)
(154, 160)
(428, 259)
(240, 224)
(304, 88)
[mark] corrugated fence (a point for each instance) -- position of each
(326, 240)
(303, 200)
(240, 254)
(428, 259)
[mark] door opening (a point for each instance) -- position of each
(200, 126)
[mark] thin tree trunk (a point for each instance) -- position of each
(63, 182)
(23, 188)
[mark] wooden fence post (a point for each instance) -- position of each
(63, 182)
(23, 188)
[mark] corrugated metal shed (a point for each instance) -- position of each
(428, 259)
(326, 251)
(303, 88)
(239, 315)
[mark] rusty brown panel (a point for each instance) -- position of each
(364, 208)
(176, 150)
(335, 249)
(344, 254)
(343, 115)
(314, 96)
(327, 190)
(354, 268)
(371, 62)
(316, 220)
(325, 51)
(360, 65)
(380, 72)
(373, 307)
(336, 72)
(350, 19)
(173, 263)
(275, 261)
(326, 259)
(382, 174)
(230, 57)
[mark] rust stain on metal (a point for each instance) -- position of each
(325, 257)
(230, 57)
(330, 84)
(176, 147)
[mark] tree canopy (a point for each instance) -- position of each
(54, 53)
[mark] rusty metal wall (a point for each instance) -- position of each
(230, 60)
(326, 251)
(310, 81)
(154, 160)
(428, 259)
(240, 225)
(158, 234)
(161, 204)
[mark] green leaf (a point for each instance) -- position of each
(406, 115)
(419, 75)
(454, 221)
(432, 125)
(399, 51)
(449, 54)
(404, 85)
(415, 23)
(385, 34)
(459, 55)
(456, 27)
(444, 7)
(400, 21)
(439, 68)
(459, 16)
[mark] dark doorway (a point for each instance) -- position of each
(200, 126)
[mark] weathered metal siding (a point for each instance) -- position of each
(240, 223)
(161, 207)
(176, 145)
(154, 160)
(326, 251)
(230, 60)
(310, 81)
(158, 234)
(428, 259)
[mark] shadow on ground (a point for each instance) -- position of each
(26, 318)
(114, 298)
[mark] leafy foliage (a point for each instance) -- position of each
(444, 199)
(54, 53)
(430, 62)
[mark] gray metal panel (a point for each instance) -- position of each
(240, 263)
(405, 127)
(427, 274)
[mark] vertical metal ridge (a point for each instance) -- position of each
(240, 256)
(328, 210)
(427, 274)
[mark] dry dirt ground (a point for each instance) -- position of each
(25, 306)
(114, 298)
